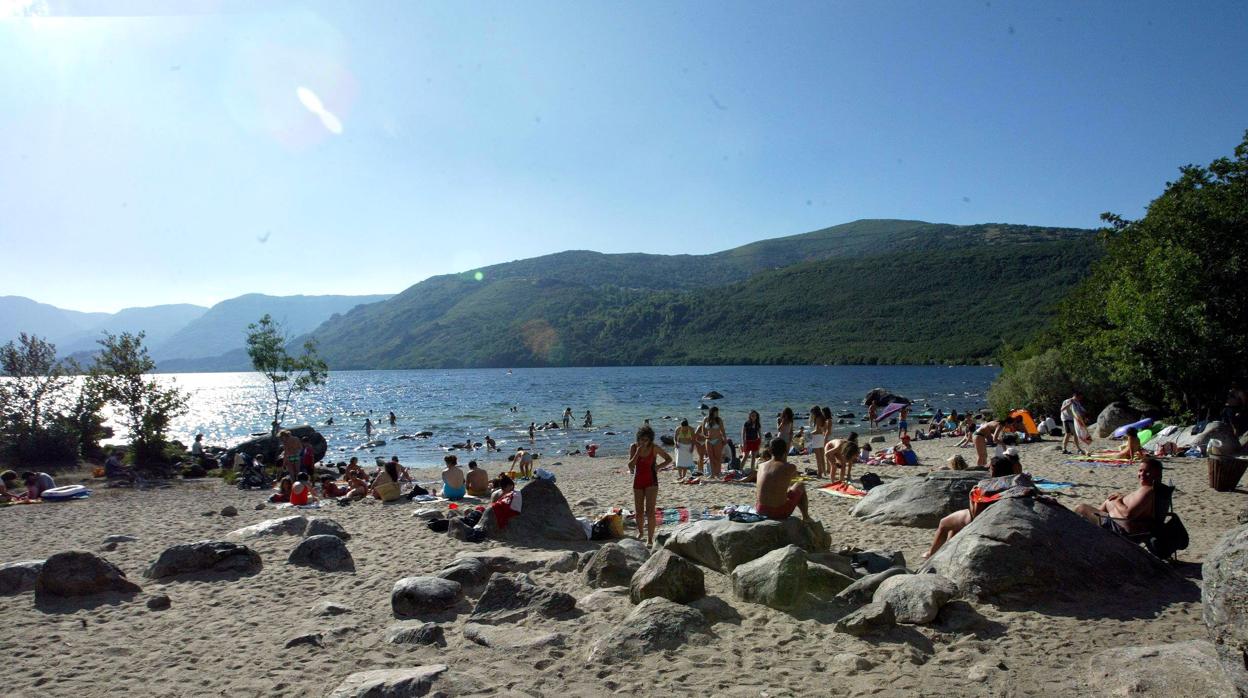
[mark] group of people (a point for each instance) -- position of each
(33, 485)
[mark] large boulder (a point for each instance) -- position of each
(545, 515)
(16, 577)
(862, 590)
(270, 447)
(1221, 431)
(882, 398)
(522, 560)
(667, 575)
(210, 556)
(391, 683)
(1114, 415)
(326, 553)
(1225, 597)
(920, 501)
(776, 579)
(511, 597)
(413, 597)
(916, 598)
(469, 572)
(1187, 668)
(722, 545)
(80, 573)
(1031, 548)
(614, 564)
(655, 624)
(325, 526)
(285, 526)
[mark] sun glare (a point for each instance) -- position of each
(313, 103)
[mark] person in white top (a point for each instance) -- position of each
(1072, 410)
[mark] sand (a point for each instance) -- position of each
(227, 637)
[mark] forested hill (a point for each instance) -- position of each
(872, 291)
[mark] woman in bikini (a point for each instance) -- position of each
(644, 467)
(815, 441)
(994, 430)
(840, 455)
(713, 430)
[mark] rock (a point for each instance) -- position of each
(839, 562)
(602, 599)
(325, 553)
(211, 556)
(108, 547)
(722, 545)
(229, 511)
(916, 598)
(325, 526)
(850, 664)
(776, 579)
(159, 602)
(655, 624)
(80, 573)
(1026, 547)
(1114, 415)
(873, 561)
(17, 577)
(713, 395)
(825, 582)
(1225, 597)
(863, 590)
(390, 683)
(118, 538)
(429, 514)
(669, 576)
(423, 634)
(510, 638)
(330, 608)
(285, 526)
(883, 398)
(613, 565)
(546, 516)
(313, 639)
(919, 501)
(270, 447)
(259, 506)
(418, 596)
(587, 503)
(878, 439)
(877, 615)
(468, 571)
(512, 596)
(519, 560)
(1213, 430)
(1242, 517)
(1182, 669)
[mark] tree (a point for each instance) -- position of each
(34, 400)
(287, 375)
(121, 377)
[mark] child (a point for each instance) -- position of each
(901, 421)
(301, 492)
(283, 490)
(864, 456)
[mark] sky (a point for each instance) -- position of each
(194, 150)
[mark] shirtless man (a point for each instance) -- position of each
(453, 479)
(478, 480)
(292, 452)
(776, 494)
(1133, 512)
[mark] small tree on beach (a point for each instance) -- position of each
(33, 399)
(287, 375)
(121, 377)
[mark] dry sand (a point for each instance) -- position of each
(227, 637)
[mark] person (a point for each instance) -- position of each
(840, 454)
(784, 428)
(393, 419)
(490, 444)
(871, 415)
(798, 447)
(902, 423)
(532, 432)
(386, 485)
(354, 470)
(1132, 513)
(955, 462)
(864, 455)
(240, 460)
(1131, 449)
(292, 452)
(958, 520)
(468, 443)
(197, 450)
(1072, 410)
(284, 487)
(523, 463)
(307, 458)
(301, 492)
(644, 467)
(453, 479)
(684, 439)
(989, 430)
(404, 476)
(714, 434)
(37, 483)
(506, 502)
(329, 422)
(776, 495)
(968, 431)
(1047, 425)
(477, 480)
(567, 418)
(8, 487)
(330, 489)
(114, 470)
(589, 419)
(951, 423)
(368, 427)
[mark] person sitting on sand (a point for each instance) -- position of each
(115, 471)
(330, 489)
(386, 485)
(301, 492)
(37, 484)
(864, 454)
(453, 487)
(8, 487)
(644, 467)
(523, 463)
(282, 494)
(1131, 513)
(1131, 450)
(958, 520)
(506, 501)
(404, 475)
(354, 470)
(776, 495)
(968, 431)
(478, 480)
(840, 455)
(955, 462)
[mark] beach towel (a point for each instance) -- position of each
(1049, 485)
(1101, 461)
(843, 489)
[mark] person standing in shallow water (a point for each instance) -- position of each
(532, 432)
(589, 419)
(567, 418)
(644, 467)
(368, 427)
(392, 419)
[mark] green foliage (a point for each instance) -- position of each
(1038, 383)
(120, 377)
(36, 403)
(287, 375)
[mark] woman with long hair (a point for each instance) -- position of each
(715, 436)
(840, 455)
(751, 438)
(644, 467)
(684, 439)
(784, 426)
(815, 441)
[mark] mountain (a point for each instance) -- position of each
(19, 314)
(886, 291)
(223, 327)
(158, 323)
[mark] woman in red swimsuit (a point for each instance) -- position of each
(642, 464)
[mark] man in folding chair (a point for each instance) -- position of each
(1135, 513)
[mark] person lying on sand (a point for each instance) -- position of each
(1131, 513)
(478, 480)
(283, 490)
(453, 479)
(999, 466)
(330, 489)
(776, 494)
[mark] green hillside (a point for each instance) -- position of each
(869, 291)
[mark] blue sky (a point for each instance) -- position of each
(164, 152)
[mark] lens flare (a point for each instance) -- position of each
(478, 276)
(313, 103)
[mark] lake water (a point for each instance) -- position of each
(456, 404)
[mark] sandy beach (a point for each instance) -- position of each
(227, 637)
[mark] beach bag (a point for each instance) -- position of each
(870, 480)
(417, 491)
(472, 517)
(1170, 538)
(746, 517)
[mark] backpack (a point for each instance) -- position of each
(870, 480)
(1169, 538)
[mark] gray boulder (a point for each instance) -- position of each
(1027, 547)
(210, 556)
(614, 565)
(545, 516)
(330, 608)
(285, 526)
(1213, 430)
(873, 617)
(417, 596)
(825, 582)
(325, 553)
(916, 598)
(520, 560)
(920, 501)
(655, 624)
(873, 561)
(722, 545)
(509, 638)
(391, 683)
(602, 599)
(776, 579)
(468, 571)
(17, 577)
(270, 447)
(1182, 669)
(421, 634)
(863, 589)
(1114, 415)
(510, 597)
(80, 573)
(1225, 597)
(325, 526)
(669, 576)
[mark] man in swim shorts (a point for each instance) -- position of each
(776, 493)
(478, 480)
(453, 479)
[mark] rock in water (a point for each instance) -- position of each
(1225, 597)
(80, 573)
(1114, 415)
(545, 516)
(510, 597)
(423, 634)
(776, 579)
(655, 624)
(325, 553)
(17, 577)
(325, 526)
(713, 395)
(215, 556)
(722, 545)
(1027, 547)
(669, 576)
(270, 447)
(916, 598)
(919, 501)
(285, 526)
(1183, 669)
(390, 683)
(417, 596)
